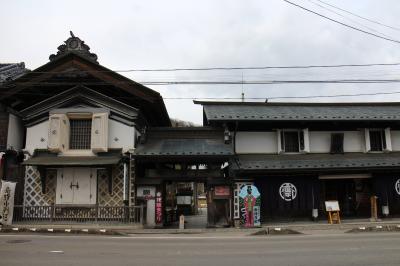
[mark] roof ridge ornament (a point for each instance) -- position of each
(75, 45)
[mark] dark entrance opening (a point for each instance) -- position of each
(353, 195)
(188, 199)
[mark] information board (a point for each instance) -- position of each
(332, 206)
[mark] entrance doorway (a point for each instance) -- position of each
(188, 199)
(353, 195)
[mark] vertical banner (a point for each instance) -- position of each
(250, 201)
(7, 202)
(159, 218)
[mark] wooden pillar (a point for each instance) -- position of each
(374, 208)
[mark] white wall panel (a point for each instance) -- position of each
(320, 141)
(256, 142)
(36, 136)
(395, 137)
(120, 136)
(15, 134)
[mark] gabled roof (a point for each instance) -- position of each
(79, 95)
(257, 111)
(183, 142)
(79, 67)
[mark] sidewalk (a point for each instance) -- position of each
(294, 227)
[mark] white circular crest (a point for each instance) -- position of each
(288, 191)
(397, 186)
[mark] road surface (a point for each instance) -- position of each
(205, 250)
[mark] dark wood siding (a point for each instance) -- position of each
(3, 129)
(384, 186)
(274, 207)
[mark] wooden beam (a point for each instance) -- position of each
(183, 174)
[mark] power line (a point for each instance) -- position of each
(285, 97)
(367, 19)
(352, 20)
(214, 82)
(343, 24)
(254, 98)
(218, 68)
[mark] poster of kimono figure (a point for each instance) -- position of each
(250, 203)
(7, 202)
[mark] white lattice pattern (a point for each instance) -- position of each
(116, 197)
(33, 195)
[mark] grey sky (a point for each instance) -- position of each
(174, 34)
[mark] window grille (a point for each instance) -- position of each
(80, 134)
(291, 141)
(337, 142)
(377, 140)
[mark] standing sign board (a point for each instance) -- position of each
(7, 202)
(250, 202)
(332, 207)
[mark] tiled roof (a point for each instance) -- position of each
(301, 111)
(317, 161)
(11, 71)
(184, 142)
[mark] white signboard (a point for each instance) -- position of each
(183, 200)
(332, 206)
(146, 191)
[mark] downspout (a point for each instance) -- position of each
(126, 182)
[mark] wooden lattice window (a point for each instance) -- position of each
(80, 134)
(291, 141)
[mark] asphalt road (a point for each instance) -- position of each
(329, 249)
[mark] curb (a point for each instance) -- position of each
(33, 230)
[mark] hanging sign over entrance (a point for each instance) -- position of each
(397, 186)
(288, 191)
(250, 201)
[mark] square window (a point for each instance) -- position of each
(377, 140)
(80, 134)
(291, 141)
(337, 142)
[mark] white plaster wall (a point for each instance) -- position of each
(395, 136)
(116, 130)
(15, 135)
(256, 142)
(320, 141)
(125, 135)
(34, 136)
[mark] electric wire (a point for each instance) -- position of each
(364, 18)
(341, 23)
(219, 68)
(352, 20)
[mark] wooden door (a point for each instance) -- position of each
(64, 192)
(76, 186)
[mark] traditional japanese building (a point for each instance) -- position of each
(11, 132)
(184, 171)
(300, 155)
(78, 125)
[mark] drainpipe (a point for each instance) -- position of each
(126, 182)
